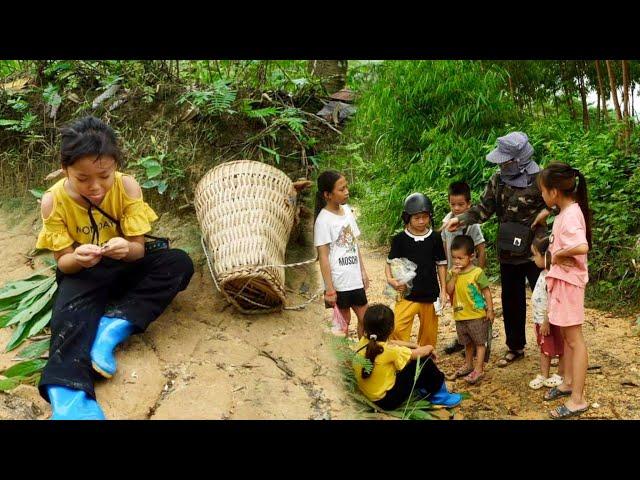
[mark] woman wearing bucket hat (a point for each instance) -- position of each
(513, 195)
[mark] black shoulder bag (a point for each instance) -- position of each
(156, 243)
(513, 237)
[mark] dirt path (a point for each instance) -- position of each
(201, 360)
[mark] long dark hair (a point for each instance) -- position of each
(88, 136)
(326, 182)
(378, 325)
(571, 183)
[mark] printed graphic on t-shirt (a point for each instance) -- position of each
(346, 240)
(89, 229)
(479, 303)
(478, 300)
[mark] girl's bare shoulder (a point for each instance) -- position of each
(131, 187)
(47, 204)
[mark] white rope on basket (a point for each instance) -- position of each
(257, 269)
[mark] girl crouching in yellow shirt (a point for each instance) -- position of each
(389, 383)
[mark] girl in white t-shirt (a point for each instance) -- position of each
(334, 234)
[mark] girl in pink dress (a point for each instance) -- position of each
(566, 188)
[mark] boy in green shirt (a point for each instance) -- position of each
(472, 307)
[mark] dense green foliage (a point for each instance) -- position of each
(176, 119)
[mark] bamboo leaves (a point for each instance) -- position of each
(35, 350)
(27, 305)
(24, 369)
(23, 372)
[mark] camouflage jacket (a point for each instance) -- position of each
(520, 205)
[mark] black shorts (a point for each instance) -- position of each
(351, 298)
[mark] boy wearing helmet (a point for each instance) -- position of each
(420, 244)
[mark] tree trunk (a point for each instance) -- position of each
(41, 65)
(585, 107)
(601, 94)
(598, 119)
(332, 73)
(261, 73)
(612, 84)
(555, 103)
(625, 86)
(569, 98)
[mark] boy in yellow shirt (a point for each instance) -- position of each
(472, 307)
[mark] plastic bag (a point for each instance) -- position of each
(339, 325)
(438, 307)
(403, 270)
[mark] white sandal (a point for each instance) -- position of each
(538, 382)
(553, 381)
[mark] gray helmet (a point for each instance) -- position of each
(417, 203)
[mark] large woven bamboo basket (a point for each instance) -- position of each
(246, 210)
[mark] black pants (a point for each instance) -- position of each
(514, 300)
(136, 291)
(430, 379)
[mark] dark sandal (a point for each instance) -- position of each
(506, 359)
(563, 412)
(555, 393)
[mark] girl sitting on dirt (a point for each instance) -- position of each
(94, 221)
(334, 234)
(566, 188)
(548, 337)
(391, 379)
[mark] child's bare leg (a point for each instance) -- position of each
(479, 359)
(561, 365)
(567, 380)
(468, 355)
(360, 311)
(579, 363)
(545, 364)
(346, 314)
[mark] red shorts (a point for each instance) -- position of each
(553, 344)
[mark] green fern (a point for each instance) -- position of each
(262, 113)
(211, 102)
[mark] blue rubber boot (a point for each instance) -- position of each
(69, 404)
(111, 332)
(444, 398)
